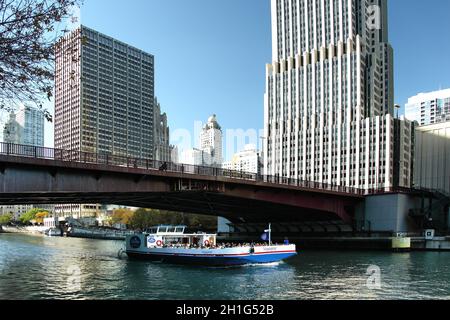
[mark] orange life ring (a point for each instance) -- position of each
(159, 243)
(206, 242)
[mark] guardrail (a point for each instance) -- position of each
(148, 164)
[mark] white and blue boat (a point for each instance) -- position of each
(171, 244)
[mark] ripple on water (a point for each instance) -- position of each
(67, 268)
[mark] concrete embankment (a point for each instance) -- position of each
(97, 233)
(380, 242)
(36, 230)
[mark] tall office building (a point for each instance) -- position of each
(31, 120)
(329, 105)
(104, 100)
(211, 140)
(12, 130)
(163, 150)
(210, 151)
(104, 95)
(429, 108)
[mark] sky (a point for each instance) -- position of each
(210, 55)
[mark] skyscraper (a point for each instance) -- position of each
(32, 122)
(104, 95)
(12, 130)
(210, 151)
(104, 100)
(429, 108)
(211, 140)
(329, 105)
(163, 150)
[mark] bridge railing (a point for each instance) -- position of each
(149, 164)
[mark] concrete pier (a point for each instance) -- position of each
(375, 242)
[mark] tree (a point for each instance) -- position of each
(27, 39)
(33, 215)
(5, 218)
(145, 218)
(121, 215)
(142, 219)
(39, 217)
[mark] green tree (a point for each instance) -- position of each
(143, 218)
(5, 218)
(30, 215)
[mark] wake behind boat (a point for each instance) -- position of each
(170, 244)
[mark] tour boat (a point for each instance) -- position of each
(172, 245)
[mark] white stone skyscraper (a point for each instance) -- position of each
(211, 140)
(328, 112)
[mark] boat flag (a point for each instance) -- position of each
(265, 236)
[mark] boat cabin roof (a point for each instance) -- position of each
(169, 230)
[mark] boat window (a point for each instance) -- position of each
(179, 229)
(171, 229)
(162, 229)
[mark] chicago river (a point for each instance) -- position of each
(33, 267)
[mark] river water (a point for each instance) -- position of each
(33, 267)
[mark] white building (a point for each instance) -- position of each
(328, 107)
(12, 130)
(211, 140)
(196, 157)
(32, 121)
(16, 210)
(429, 108)
(432, 157)
(247, 160)
(210, 151)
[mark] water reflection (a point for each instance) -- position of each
(61, 268)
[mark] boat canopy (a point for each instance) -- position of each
(168, 230)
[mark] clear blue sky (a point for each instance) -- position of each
(211, 54)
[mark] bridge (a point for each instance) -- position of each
(38, 175)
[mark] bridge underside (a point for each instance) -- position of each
(42, 181)
(209, 203)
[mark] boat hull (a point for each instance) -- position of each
(212, 260)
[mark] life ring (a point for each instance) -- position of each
(159, 243)
(206, 243)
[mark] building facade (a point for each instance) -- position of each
(432, 157)
(104, 96)
(247, 160)
(163, 150)
(429, 108)
(211, 141)
(196, 157)
(329, 111)
(31, 120)
(210, 152)
(12, 130)
(104, 100)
